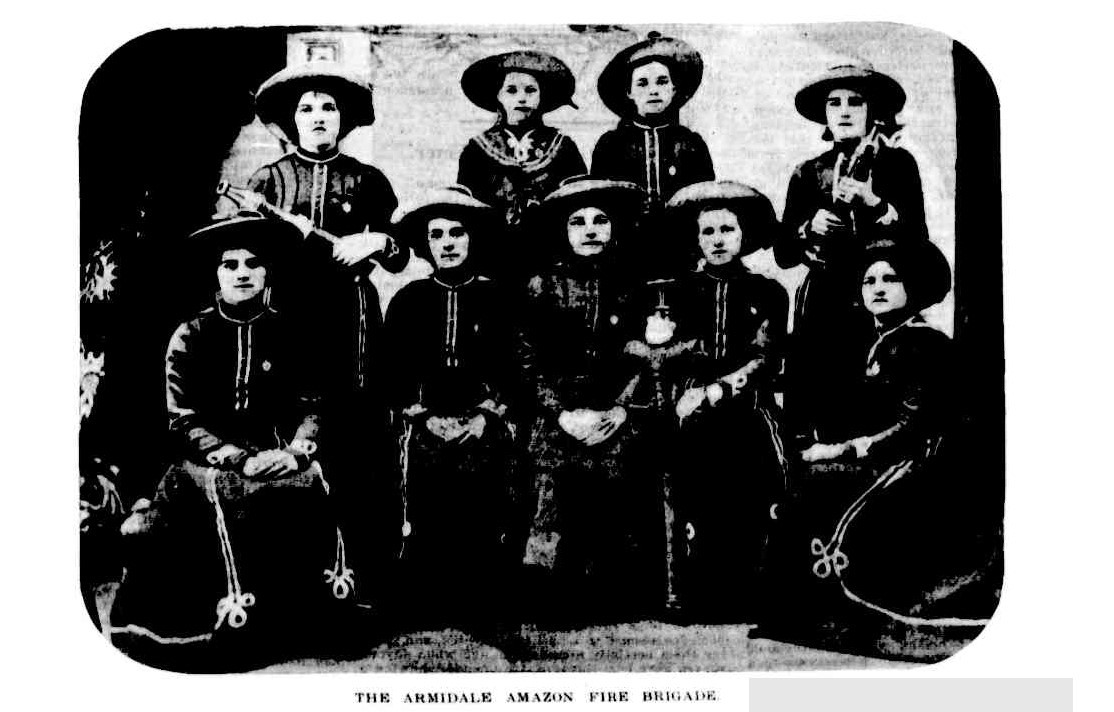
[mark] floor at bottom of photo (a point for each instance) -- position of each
(637, 646)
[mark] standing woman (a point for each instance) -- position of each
(646, 85)
(861, 189)
(453, 344)
(322, 190)
(592, 512)
(519, 160)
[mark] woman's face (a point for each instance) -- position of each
(317, 119)
(721, 238)
(519, 96)
(448, 242)
(241, 276)
(589, 231)
(883, 290)
(651, 88)
(846, 113)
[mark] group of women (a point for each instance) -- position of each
(589, 409)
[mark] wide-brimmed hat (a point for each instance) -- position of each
(481, 81)
(273, 241)
(619, 199)
(883, 94)
(454, 201)
(751, 207)
(919, 264)
(276, 98)
(685, 67)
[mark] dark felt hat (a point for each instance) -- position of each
(454, 201)
(274, 242)
(276, 98)
(271, 240)
(482, 80)
(919, 263)
(685, 66)
(751, 207)
(883, 94)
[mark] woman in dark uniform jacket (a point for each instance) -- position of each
(646, 85)
(884, 519)
(731, 454)
(592, 512)
(832, 211)
(244, 415)
(314, 106)
(453, 344)
(519, 160)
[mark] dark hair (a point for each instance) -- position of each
(917, 282)
(477, 227)
(668, 64)
(317, 85)
(497, 84)
(758, 228)
(887, 118)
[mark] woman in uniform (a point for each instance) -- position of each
(646, 85)
(519, 160)
(453, 387)
(228, 572)
(885, 522)
(594, 518)
(861, 189)
(731, 458)
(343, 208)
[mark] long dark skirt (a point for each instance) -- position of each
(824, 363)
(598, 527)
(233, 573)
(897, 542)
(360, 459)
(732, 472)
(456, 565)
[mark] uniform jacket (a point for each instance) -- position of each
(901, 214)
(738, 317)
(452, 346)
(577, 323)
(237, 381)
(340, 304)
(512, 173)
(660, 158)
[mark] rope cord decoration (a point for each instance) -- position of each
(233, 607)
(832, 561)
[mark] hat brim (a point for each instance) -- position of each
(482, 79)
(753, 209)
(411, 225)
(686, 68)
(277, 97)
(621, 197)
(267, 238)
(273, 241)
(884, 96)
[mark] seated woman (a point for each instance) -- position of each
(517, 162)
(240, 529)
(452, 342)
(883, 517)
(594, 519)
(730, 460)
